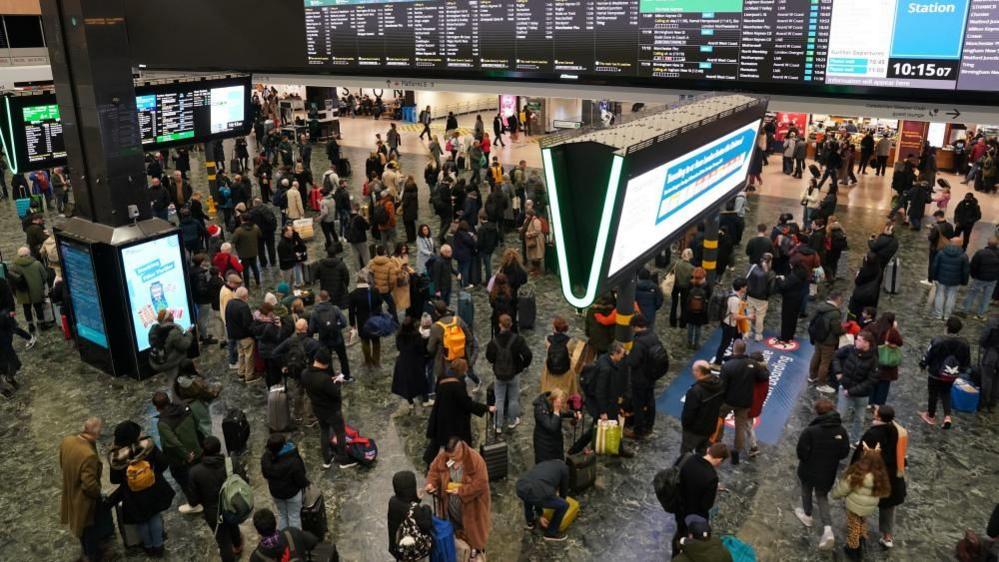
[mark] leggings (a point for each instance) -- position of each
(856, 528)
(938, 390)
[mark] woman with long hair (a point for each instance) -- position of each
(866, 286)
(889, 339)
(501, 301)
(863, 485)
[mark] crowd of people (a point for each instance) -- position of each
(492, 237)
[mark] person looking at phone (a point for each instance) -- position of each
(323, 388)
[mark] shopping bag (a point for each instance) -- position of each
(304, 228)
(609, 437)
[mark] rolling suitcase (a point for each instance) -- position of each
(466, 308)
(568, 518)
(278, 412)
(314, 512)
(582, 466)
(240, 460)
(235, 431)
(323, 552)
(496, 455)
(527, 307)
(129, 533)
(891, 280)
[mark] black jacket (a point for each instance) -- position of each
(206, 479)
(985, 264)
(611, 384)
(405, 498)
(325, 395)
(285, 473)
(440, 273)
(967, 212)
(885, 246)
(820, 448)
(548, 441)
(139, 507)
(238, 319)
(859, 370)
(701, 405)
(451, 412)
(739, 375)
(410, 203)
(757, 246)
(334, 278)
(942, 347)
(638, 359)
(521, 352)
(698, 486)
(362, 302)
(273, 549)
(544, 481)
(885, 435)
(488, 238)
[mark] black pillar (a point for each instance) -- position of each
(710, 260)
(88, 51)
(625, 311)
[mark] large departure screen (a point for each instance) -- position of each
(909, 44)
(189, 112)
(31, 132)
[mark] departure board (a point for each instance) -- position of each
(935, 45)
(43, 133)
(189, 112)
(31, 132)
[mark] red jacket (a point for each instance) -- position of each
(224, 262)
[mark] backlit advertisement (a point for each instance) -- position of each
(659, 202)
(154, 277)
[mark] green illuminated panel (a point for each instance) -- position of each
(175, 136)
(39, 113)
(687, 6)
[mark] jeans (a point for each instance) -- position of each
(465, 271)
(964, 231)
(938, 389)
(289, 512)
(981, 292)
(822, 497)
(344, 216)
(232, 352)
(266, 250)
(643, 401)
(329, 232)
(341, 354)
(944, 303)
(487, 266)
(729, 334)
(677, 298)
(204, 320)
(886, 520)
(181, 475)
(38, 310)
(297, 275)
(853, 407)
(151, 531)
(534, 509)
(509, 388)
(879, 395)
(693, 442)
(390, 304)
(694, 335)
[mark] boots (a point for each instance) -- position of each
(852, 553)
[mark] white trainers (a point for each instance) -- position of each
(828, 540)
(887, 542)
(514, 423)
(806, 520)
(825, 388)
(31, 343)
(233, 366)
(186, 509)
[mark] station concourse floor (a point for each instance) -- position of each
(953, 480)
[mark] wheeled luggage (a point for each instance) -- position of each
(129, 533)
(582, 467)
(235, 430)
(496, 455)
(891, 280)
(527, 307)
(314, 518)
(278, 410)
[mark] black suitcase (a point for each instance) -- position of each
(527, 307)
(496, 455)
(582, 466)
(235, 431)
(324, 552)
(240, 463)
(314, 512)
(130, 536)
(235, 166)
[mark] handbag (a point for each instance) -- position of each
(668, 283)
(889, 355)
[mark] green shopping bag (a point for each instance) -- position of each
(889, 356)
(609, 434)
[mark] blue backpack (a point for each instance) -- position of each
(740, 551)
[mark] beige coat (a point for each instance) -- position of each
(401, 294)
(81, 482)
(568, 382)
(225, 295)
(295, 208)
(536, 236)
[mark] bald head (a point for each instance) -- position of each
(242, 294)
(226, 248)
(994, 241)
(956, 241)
(301, 326)
(92, 428)
(23, 251)
(701, 369)
(446, 250)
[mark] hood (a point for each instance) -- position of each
(288, 449)
(712, 384)
(825, 306)
(379, 260)
(330, 262)
(213, 461)
(24, 261)
(173, 412)
(646, 285)
(404, 486)
(606, 319)
(828, 419)
(952, 251)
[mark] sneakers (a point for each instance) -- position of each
(926, 282)
(927, 418)
(806, 520)
(759, 337)
(825, 389)
(186, 509)
(557, 537)
(812, 380)
(887, 541)
(514, 423)
(327, 465)
(530, 526)
(946, 423)
(828, 540)
(31, 343)
(233, 366)
(498, 430)
(753, 451)
(255, 378)
(428, 403)
(347, 464)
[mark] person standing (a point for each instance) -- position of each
(939, 238)
(881, 150)
(357, 235)
(534, 242)
(452, 410)
(247, 240)
(440, 272)
(866, 150)
(144, 495)
(683, 271)
(384, 274)
(701, 404)
(180, 442)
(28, 278)
(406, 503)
(545, 486)
(509, 355)
(862, 486)
(856, 368)
(988, 344)
(821, 447)
(892, 440)
(759, 286)
(459, 476)
(984, 273)
(323, 389)
(81, 487)
(951, 269)
(759, 245)
(948, 356)
(239, 326)
(824, 331)
(734, 315)
(327, 323)
(207, 478)
(284, 470)
(647, 362)
(364, 302)
(698, 487)
(292, 254)
(739, 376)
(648, 296)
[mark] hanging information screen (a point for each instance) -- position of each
(31, 132)
(192, 112)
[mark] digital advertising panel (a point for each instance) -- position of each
(663, 200)
(78, 270)
(155, 281)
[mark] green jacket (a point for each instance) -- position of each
(860, 501)
(683, 271)
(245, 240)
(178, 434)
(710, 550)
(35, 276)
(176, 345)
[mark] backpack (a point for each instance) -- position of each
(356, 232)
(818, 329)
(454, 339)
(588, 381)
(267, 220)
(950, 369)
(695, 300)
(412, 543)
(157, 343)
(329, 328)
(667, 486)
(558, 360)
(140, 475)
(658, 360)
(838, 241)
(17, 280)
(505, 366)
(235, 497)
(718, 306)
(296, 359)
(380, 215)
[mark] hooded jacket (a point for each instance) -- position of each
(885, 246)
(859, 370)
(384, 271)
(821, 446)
(942, 347)
(831, 315)
(334, 278)
(176, 344)
(985, 264)
(600, 322)
(967, 212)
(649, 298)
(206, 481)
(284, 472)
(711, 549)
(739, 375)
(178, 434)
(701, 405)
(951, 266)
(406, 498)
(140, 506)
(861, 500)
(327, 401)
(544, 481)
(272, 548)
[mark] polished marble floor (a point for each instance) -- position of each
(953, 478)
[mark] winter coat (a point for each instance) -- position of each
(859, 501)
(406, 498)
(35, 278)
(755, 248)
(985, 264)
(81, 483)
(701, 405)
(476, 503)
(698, 486)
(245, 240)
(885, 246)
(288, 250)
(951, 267)
(600, 325)
(464, 248)
(334, 278)
(385, 272)
(649, 298)
(140, 506)
(206, 479)
(859, 370)
(544, 481)
(176, 344)
(452, 411)
(440, 272)
(894, 337)
(362, 302)
(894, 441)
(410, 203)
(178, 434)
(821, 446)
(967, 212)
(327, 401)
(534, 235)
(548, 441)
(682, 271)
(284, 472)
(425, 249)
(831, 316)
(238, 319)
(739, 376)
(942, 347)
(409, 377)
(296, 209)
(611, 387)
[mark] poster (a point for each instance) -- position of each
(910, 141)
(154, 277)
(785, 121)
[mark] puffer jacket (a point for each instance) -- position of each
(885, 246)
(859, 501)
(951, 267)
(821, 447)
(548, 441)
(600, 322)
(385, 272)
(985, 264)
(285, 472)
(859, 370)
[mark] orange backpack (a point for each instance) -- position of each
(454, 339)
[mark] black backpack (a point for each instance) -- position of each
(667, 486)
(558, 360)
(505, 366)
(818, 328)
(718, 306)
(157, 343)
(329, 330)
(950, 369)
(296, 359)
(658, 360)
(839, 242)
(588, 381)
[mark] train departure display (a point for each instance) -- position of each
(908, 44)
(189, 112)
(31, 132)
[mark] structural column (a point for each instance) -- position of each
(710, 260)
(625, 311)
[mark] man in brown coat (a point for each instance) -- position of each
(81, 486)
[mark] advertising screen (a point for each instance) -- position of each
(663, 200)
(154, 277)
(78, 269)
(31, 131)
